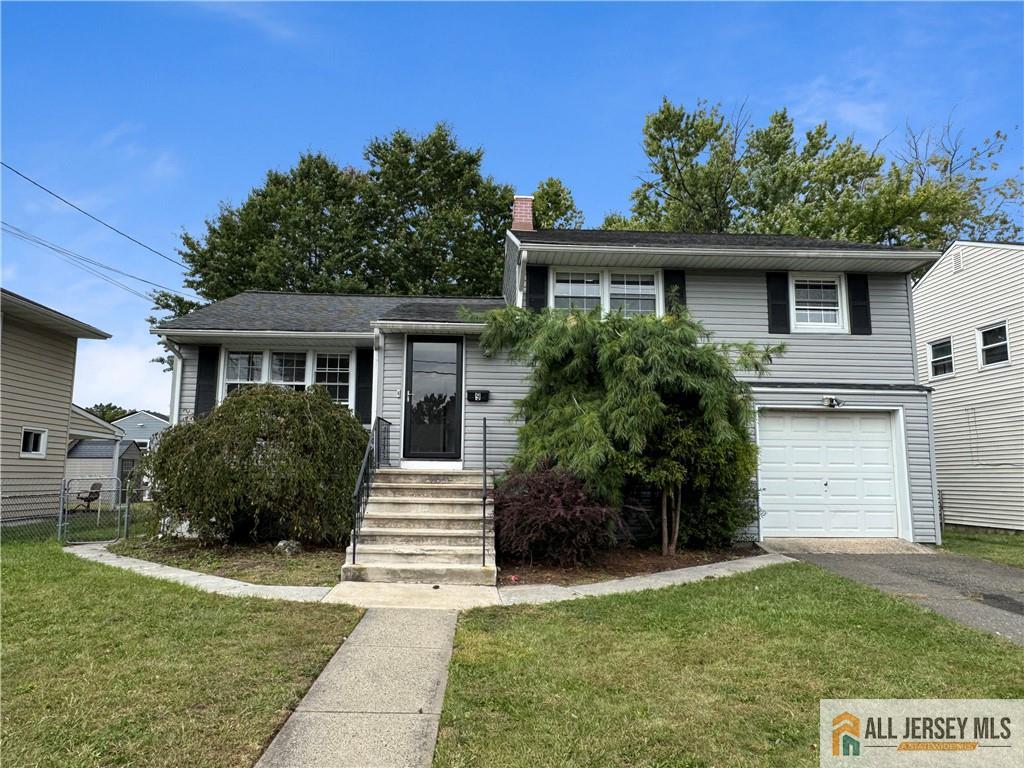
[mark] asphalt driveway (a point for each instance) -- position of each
(981, 594)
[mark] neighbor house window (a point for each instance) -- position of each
(634, 294)
(288, 370)
(994, 345)
(33, 443)
(818, 303)
(332, 373)
(579, 290)
(941, 355)
(243, 369)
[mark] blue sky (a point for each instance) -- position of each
(148, 115)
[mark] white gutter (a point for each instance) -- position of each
(415, 326)
(210, 333)
(744, 252)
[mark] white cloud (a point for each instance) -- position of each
(852, 102)
(257, 15)
(113, 371)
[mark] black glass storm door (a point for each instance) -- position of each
(433, 397)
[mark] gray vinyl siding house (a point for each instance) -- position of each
(142, 427)
(969, 328)
(38, 350)
(843, 417)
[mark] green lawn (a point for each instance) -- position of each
(256, 564)
(721, 673)
(999, 547)
(102, 667)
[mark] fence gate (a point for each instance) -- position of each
(92, 510)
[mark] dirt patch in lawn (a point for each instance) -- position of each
(618, 564)
(255, 563)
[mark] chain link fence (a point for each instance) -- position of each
(30, 513)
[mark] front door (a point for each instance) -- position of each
(433, 398)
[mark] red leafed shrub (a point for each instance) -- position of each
(546, 515)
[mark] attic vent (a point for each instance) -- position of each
(958, 260)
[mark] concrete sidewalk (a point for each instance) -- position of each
(377, 704)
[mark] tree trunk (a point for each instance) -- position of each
(664, 524)
(677, 513)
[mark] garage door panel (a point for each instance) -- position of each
(827, 474)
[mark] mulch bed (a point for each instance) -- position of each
(617, 564)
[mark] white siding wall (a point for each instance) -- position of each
(978, 414)
(734, 307)
(37, 371)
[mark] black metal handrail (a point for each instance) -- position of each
(483, 508)
(378, 452)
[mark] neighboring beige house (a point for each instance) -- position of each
(969, 328)
(38, 347)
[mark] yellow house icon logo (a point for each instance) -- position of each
(846, 735)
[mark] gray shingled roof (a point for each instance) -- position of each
(96, 449)
(631, 239)
(311, 312)
(449, 312)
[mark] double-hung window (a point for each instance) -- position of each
(332, 373)
(993, 345)
(940, 356)
(288, 370)
(577, 290)
(242, 369)
(818, 302)
(635, 293)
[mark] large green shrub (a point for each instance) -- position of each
(266, 464)
(649, 399)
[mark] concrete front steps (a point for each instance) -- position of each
(424, 526)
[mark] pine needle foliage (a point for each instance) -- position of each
(649, 398)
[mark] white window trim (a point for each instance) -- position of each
(981, 349)
(310, 378)
(931, 359)
(606, 284)
(41, 453)
(843, 324)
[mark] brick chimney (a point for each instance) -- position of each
(522, 212)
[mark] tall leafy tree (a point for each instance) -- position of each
(708, 173)
(554, 206)
(108, 411)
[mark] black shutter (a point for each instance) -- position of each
(778, 302)
(536, 287)
(860, 304)
(364, 385)
(675, 288)
(206, 380)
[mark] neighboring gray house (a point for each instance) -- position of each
(92, 461)
(843, 421)
(38, 348)
(969, 322)
(142, 427)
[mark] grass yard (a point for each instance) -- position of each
(1004, 548)
(102, 667)
(256, 563)
(720, 673)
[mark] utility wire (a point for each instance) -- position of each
(87, 263)
(94, 218)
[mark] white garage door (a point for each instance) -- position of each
(828, 473)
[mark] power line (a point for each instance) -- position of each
(94, 218)
(88, 264)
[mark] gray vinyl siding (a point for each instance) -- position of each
(90, 469)
(507, 382)
(733, 306)
(150, 426)
(511, 273)
(392, 387)
(189, 362)
(37, 371)
(923, 504)
(978, 414)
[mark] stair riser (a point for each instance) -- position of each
(424, 507)
(411, 476)
(387, 573)
(426, 490)
(451, 523)
(434, 540)
(439, 559)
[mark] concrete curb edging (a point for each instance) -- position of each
(424, 596)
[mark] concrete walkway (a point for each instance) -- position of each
(377, 704)
(422, 596)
